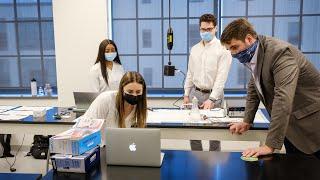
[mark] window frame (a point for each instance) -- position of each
(39, 20)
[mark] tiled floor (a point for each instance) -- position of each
(23, 164)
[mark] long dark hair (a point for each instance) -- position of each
(141, 108)
(101, 57)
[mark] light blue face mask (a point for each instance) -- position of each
(206, 36)
(110, 56)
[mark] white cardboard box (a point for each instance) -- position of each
(79, 164)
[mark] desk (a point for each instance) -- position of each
(47, 125)
(19, 176)
(207, 165)
(212, 131)
(216, 131)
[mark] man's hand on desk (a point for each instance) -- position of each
(186, 100)
(255, 152)
(239, 127)
(208, 104)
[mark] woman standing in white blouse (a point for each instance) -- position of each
(107, 71)
(124, 108)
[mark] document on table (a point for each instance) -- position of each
(181, 116)
(6, 108)
(7, 117)
(19, 113)
(225, 120)
(33, 108)
(213, 113)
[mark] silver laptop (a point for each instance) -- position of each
(133, 147)
(83, 100)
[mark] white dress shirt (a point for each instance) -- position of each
(208, 68)
(104, 107)
(97, 82)
(252, 66)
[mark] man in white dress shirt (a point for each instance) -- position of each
(208, 68)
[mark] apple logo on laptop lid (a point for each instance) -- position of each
(132, 147)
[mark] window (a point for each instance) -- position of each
(26, 44)
(141, 34)
(284, 20)
(146, 36)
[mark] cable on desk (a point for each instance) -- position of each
(184, 78)
(12, 169)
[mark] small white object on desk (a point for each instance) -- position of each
(39, 112)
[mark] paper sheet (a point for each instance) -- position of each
(19, 113)
(33, 108)
(225, 120)
(11, 117)
(182, 116)
(6, 108)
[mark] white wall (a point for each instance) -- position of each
(79, 27)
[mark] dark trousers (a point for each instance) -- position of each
(291, 149)
(196, 145)
(5, 142)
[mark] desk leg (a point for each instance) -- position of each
(47, 165)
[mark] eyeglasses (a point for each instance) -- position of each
(206, 29)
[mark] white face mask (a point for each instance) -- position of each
(110, 56)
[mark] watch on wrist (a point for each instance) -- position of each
(213, 100)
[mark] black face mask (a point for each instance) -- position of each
(131, 99)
